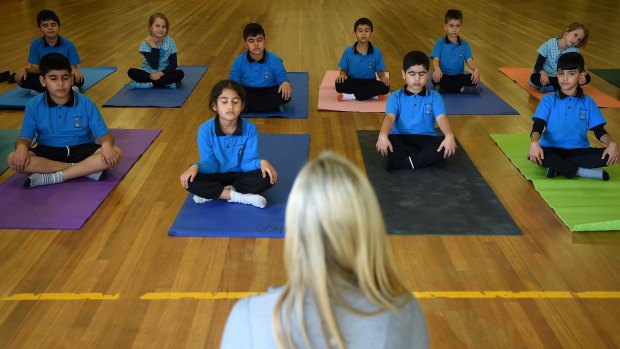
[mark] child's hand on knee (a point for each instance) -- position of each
(109, 156)
(189, 175)
(384, 146)
(536, 153)
(437, 74)
(286, 90)
(267, 168)
(19, 159)
(448, 145)
(544, 78)
(612, 152)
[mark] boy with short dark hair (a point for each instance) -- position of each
(360, 66)
(449, 55)
(51, 42)
(407, 137)
(261, 73)
(561, 123)
(63, 122)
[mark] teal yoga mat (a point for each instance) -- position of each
(611, 75)
(7, 144)
(582, 204)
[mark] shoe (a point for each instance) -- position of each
(340, 97)
(135, 85)
(11, 79)
(545, 89)
(476, 90)
(4, 76)
(605, 175)
(550, 172)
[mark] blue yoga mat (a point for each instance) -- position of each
(7, 144)
(218, 218)
(486, 103)
(160, 97)
(297, 108)
(18, 97)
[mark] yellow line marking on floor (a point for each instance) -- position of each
(239, 295)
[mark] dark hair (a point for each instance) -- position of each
(47, 15)
(54, 61)
(363, 21)
(253, 29)
(415, 58)
(218, 88)
(154, 16)
(453, 14)
(570, 61)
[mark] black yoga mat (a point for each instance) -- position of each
(449, 199)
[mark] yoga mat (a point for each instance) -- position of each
(18, 97)
(7, 144)
(582, 204)
(219, 218)
(68, 205)
(160, 97)
(452, 198)
(611, 75)
(522, 75)
(297, 108)
(328, 98)
(486, 103)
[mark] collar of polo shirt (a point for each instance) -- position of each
(218, 128)
(578, 93)
(422, 93)
(369, 52)
(458, 40)
(58, 43)
(49, 102)
(251, 60)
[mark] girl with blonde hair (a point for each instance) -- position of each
(343, 288)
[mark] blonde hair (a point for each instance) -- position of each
(154, 16)
(577, 25)
(335, 236)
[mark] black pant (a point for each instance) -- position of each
(362, 88)
(32, 82)
(421, 148)
(566, 161)
(210, 186)
(553, 81)
(139, 75)
(454, 83)
(264, 99)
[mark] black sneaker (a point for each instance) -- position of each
(605, 175)
(4, 76)
(11, 79)
(550, 173)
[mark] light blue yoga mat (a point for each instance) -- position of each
(18, 97)
(219, 218)
(297, 108)
(7, 144)
(162, 97)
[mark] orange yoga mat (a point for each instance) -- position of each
(522, 75)
(328, 98)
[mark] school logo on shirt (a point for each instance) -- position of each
(240, 151)
(77, 122)
(583, 113)
(461, 53)
(268, 74)
(428, 109)
(371, 64)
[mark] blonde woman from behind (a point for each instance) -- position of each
(343, 288)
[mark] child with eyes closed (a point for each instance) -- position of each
(229, 166)
(159, 67)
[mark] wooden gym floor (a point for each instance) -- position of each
(120, 281)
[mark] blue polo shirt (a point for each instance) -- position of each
(267, 72)
(62, 125)
(568, 119)
(167, 48)
(452, 57)
(222, 153)
(359, 66)
(39, 48)
(415, 112)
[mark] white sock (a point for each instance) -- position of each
(348, 96)
(248, 199)
(200, 200)
(97, 176)
(37, 179)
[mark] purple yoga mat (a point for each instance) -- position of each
(68, 205)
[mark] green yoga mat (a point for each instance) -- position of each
(611, 75)
(582, 204)
(7, 144)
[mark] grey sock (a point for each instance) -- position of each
(472, 89)
(595, 173)
(97, 176)
(37, 179)
(248, 199)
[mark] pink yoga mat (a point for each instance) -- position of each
(68, 205)
(328, 98)
(522, 75)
